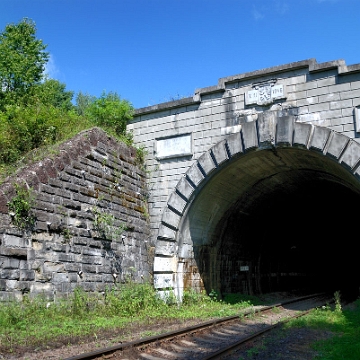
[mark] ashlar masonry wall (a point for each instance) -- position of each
(187, 141)
(323, 94)
(90, 225)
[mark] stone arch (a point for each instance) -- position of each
(329, 152)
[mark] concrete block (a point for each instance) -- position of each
(38, 288)
(53, 266)
(219, 152)
(163, 281)
(266, 128)
(164, 247)
(206, 163)
(11, 263)
(11, 285)
(234, 144)
(10, 274)
(186, 251)
(351, 155)
(170, 218)
(9, 251)
(319, 138)
(337, 144)
(60, 278)
(177, 203)
(249, 133)
(27, 275)
(14, 241)
(302, 134)
(194, 174)
(166, 233)
(284, 130)
(185, 188)
(165, 264)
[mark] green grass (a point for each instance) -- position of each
(36, 322)
(343, 323)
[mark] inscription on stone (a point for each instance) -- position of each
(265, 93)
(175, 146)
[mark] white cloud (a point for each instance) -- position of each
(281, 7)
(51, 71)
(257, 14)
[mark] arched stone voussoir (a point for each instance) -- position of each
(177, 203)
(166, 247)
(171, 218)
(166, 233)
(351, 156)
(185, 188)
(206, 163)
(319, 138)
(219, 152)
(336, 145)
(284, 131)
(235, 145)
(194, 174)
(250, 135)
(302, 135)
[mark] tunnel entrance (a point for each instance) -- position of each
(272, 208)
(301, 239)
(289, 228)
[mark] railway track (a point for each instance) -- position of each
(212, 339)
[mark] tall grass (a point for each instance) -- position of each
(343, 323)
(35, 322)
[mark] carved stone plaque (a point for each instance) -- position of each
(265, 93)
(174, 146)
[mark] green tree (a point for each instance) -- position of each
(110, 112)
(22, 60)
(83, 101)
(50, 92)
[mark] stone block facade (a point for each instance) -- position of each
(323, 94)
(309, 105)
(90, 222)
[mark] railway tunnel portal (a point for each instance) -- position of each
(276, 217)
(269, 205)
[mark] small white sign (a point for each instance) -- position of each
(357, 119)
(175, 146)
(244, 268)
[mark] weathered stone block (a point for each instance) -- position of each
(11, 263)
(163, 281)
(351, 155)
(167, 248)
(319, 138)
(165, 264)
(177, 202)
(337, 144)
(194, 174)
(170, 218)
(284, 130)
(206, 162)
(302, 134)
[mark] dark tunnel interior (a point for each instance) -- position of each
(298, 239)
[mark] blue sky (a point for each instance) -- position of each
(152, 51)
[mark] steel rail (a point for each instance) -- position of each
(172, 334)
(232, 347)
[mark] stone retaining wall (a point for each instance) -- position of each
(90, 222)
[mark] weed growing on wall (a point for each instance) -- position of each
(105, 224)
(20, 207)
